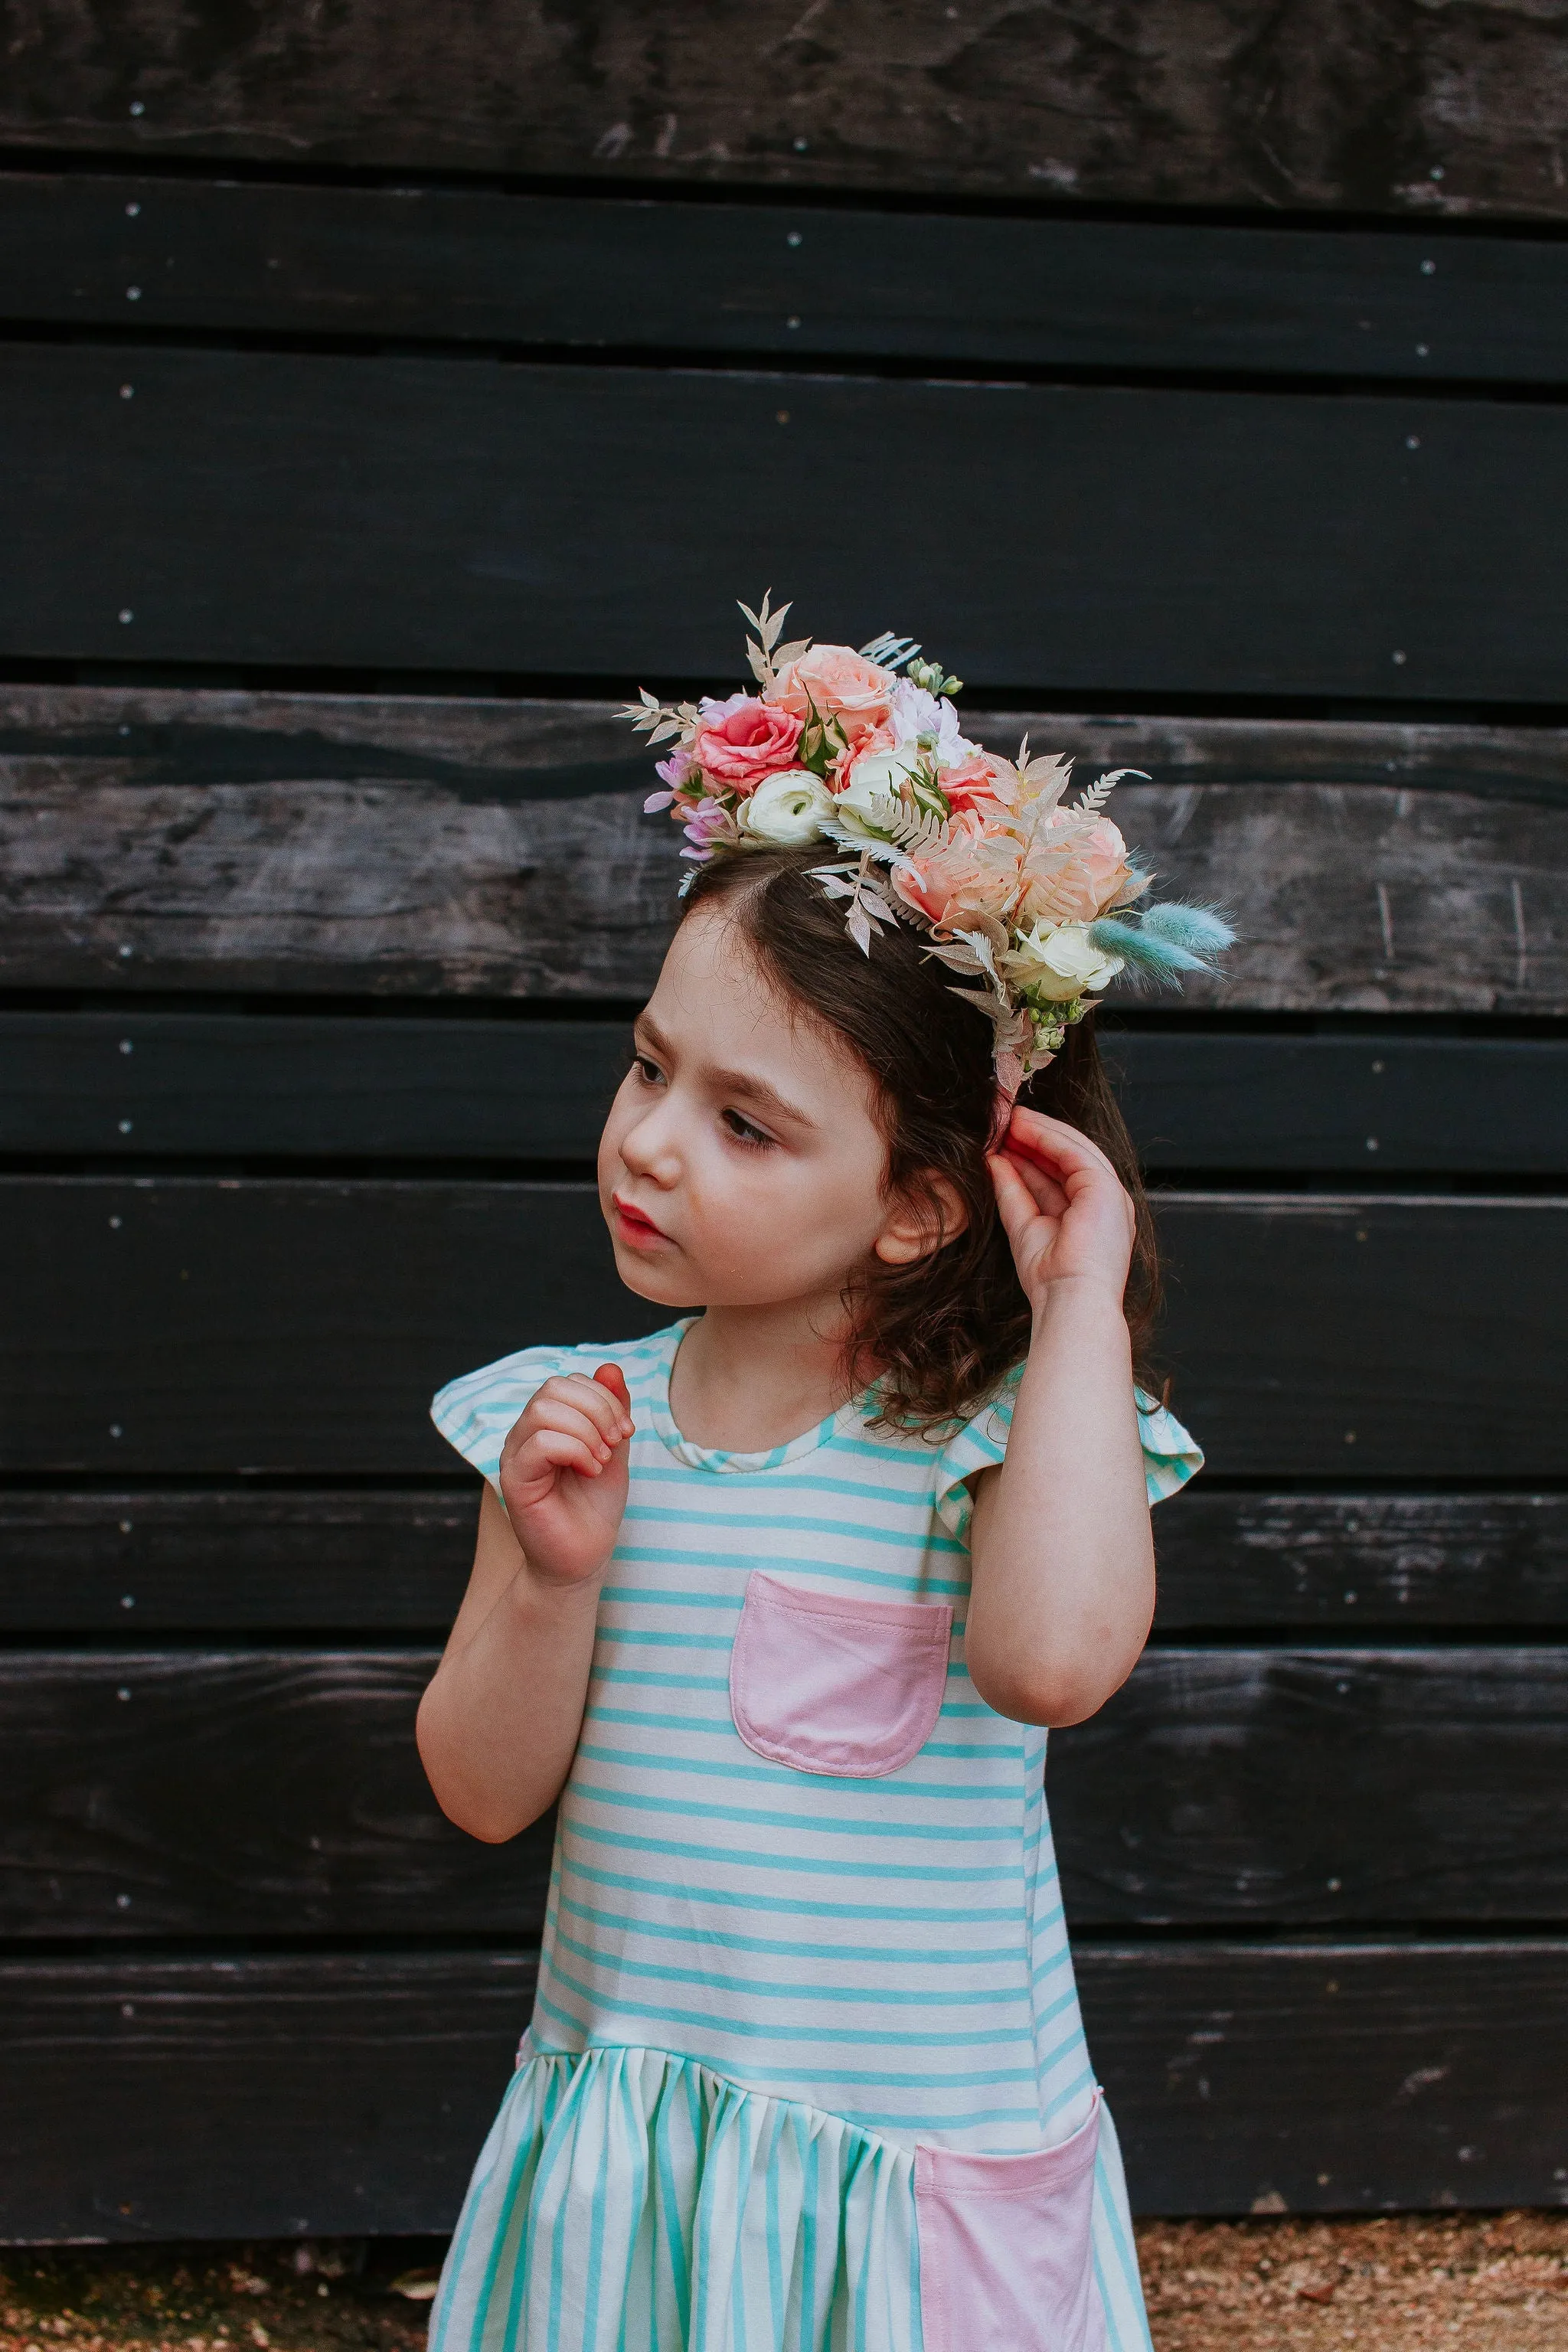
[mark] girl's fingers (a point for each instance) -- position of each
(569, 1420)
(597, 1400)
(611, 1377)
(1015, 1204)
(1043, 1187)
(560, 1451)
(1058, 1145)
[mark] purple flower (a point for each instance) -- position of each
(677, 768)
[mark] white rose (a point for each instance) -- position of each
(786, 809)
(1063, 962)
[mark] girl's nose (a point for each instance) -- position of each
(648, 1146)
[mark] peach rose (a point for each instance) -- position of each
(975, 873)
(741, 741)
(841, 684)
(1074, 879)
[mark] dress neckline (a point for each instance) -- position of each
(711, 1457)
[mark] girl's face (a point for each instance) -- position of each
(742, 1165)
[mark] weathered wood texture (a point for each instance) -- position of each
(133, 1084)
(472, 265)
(478, 515)
(137, 1562)
(351, 843)
(1332, 2078)
(277, 2097)
(340, 2093)
(1312, 1787)
(1398, 107)
(277, 1792)
(177, 1326)
(1351, 1561)
(237, 1561)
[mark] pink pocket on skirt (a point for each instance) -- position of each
(827, 1684)
(1006, 2261)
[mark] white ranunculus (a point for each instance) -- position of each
(1063, 962)
(876, 775)
(786, 809)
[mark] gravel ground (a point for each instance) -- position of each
(1471, 2283)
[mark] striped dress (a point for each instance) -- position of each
(805, 2069)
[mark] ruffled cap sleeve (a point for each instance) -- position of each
(475, 1412)
(1170, 1456)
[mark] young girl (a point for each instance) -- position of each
(778, 1601)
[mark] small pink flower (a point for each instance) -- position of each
(742, 741)
(839, 683)
(677, 768)
(981, 783)
(709, 822)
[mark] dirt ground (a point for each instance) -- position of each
(1470, 2283)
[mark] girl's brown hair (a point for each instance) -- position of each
(942, 1332)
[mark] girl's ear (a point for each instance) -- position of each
(923, 1222)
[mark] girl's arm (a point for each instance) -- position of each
(498, 1724)
(1062, 1559)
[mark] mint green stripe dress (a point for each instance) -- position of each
(804, 1947)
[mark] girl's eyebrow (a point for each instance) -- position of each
(757, 1091)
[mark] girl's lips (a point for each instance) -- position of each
(633, 1226)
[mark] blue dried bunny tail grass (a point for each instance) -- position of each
(1165, 942)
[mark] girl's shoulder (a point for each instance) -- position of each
(1170, 1455)
(475, 1412)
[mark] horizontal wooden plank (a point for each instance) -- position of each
(1351, 1561)
(471, 514)
(347, 844)
(192, 1792)
(168, 1326)
(352, 2093)
(235, 1559)
(257, 1559)
(1318, 1786)
(1332, 2077)
(277, 1793)
(337, 2092)
(1414, 109)
(127, 1085)
(476, 265)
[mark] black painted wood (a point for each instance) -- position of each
(467, 515)
(351, 2094)
(168, 1326)
(1332, 2077)
(235, 1559)
(298, 2095)
(1318, 1787)
(473, 265)
(128, 1085)
(1404, 110)
(275, 1793)
(135, 1562)
(163, 839)
(1351, 1562)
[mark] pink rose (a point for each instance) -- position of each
(974, 874)
(982, 781)
(841, 684)
(1077, 875)
(742, 741)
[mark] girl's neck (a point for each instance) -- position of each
(747, 1379)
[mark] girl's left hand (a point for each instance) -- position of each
(1063, 1207)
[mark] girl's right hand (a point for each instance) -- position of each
(564, 1473)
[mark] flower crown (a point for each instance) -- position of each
(1037, 899)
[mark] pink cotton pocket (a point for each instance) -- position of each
(1006, 2261)
(848, 1687)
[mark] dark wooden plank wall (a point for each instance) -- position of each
(344, 497)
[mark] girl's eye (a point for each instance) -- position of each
(648, 1071)
(745, 1132)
